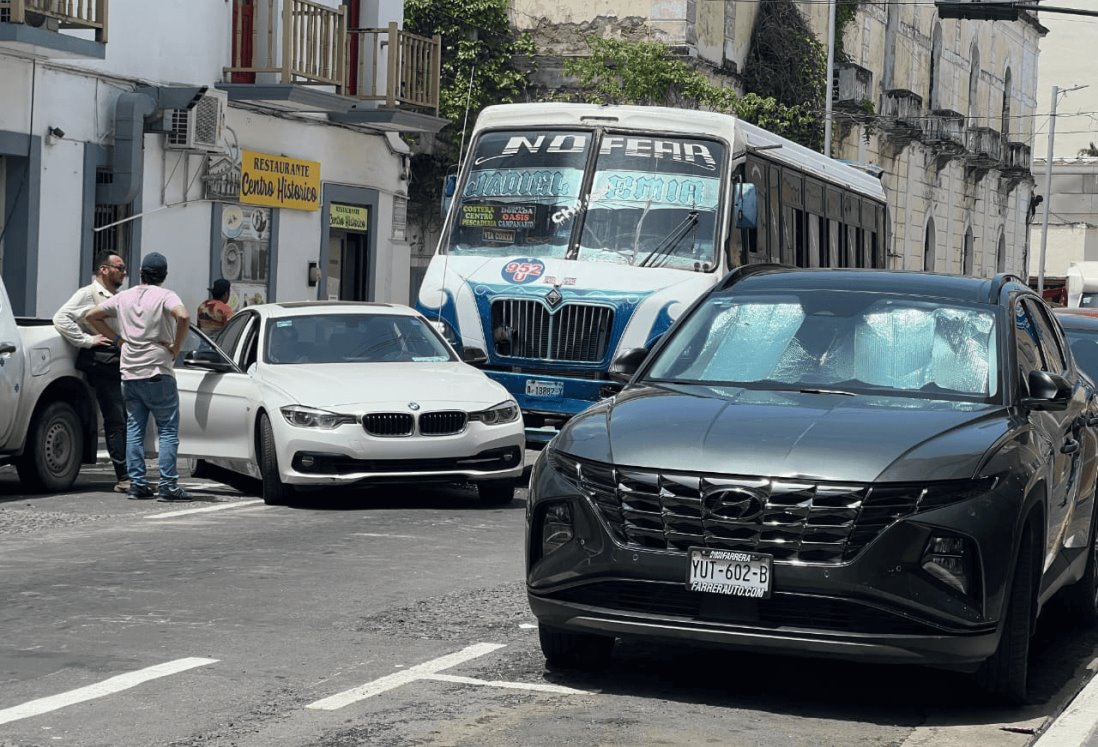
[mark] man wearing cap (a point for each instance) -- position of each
(152, 323)
(215, 311)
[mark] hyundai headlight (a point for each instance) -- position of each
(310, 417)
(505, 412)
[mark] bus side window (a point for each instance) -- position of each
(823, 231)
(774, 221)
(794, 240)
(834, 216)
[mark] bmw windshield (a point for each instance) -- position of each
(353, 338)
(642, 200)
(835, 341)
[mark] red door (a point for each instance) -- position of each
(355, 45)
(243, 39)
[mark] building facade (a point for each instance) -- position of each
(944, 108)
(249, 140)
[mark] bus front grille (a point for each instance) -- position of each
(572, 332)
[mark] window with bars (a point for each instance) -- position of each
(116, 236)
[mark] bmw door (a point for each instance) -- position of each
(215, 401)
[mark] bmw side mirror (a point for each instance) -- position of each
(1047, 391)
(625, 365)
(209, 360)
(474, 356)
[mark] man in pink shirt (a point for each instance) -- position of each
(152, 325)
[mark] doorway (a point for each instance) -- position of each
(348, 266)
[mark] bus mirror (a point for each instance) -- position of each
(449, 187)
(746, 206)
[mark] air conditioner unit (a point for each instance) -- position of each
(199, 128)
(37, 20)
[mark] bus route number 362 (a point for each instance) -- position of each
(741, 574)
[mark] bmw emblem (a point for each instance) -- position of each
(413, 405)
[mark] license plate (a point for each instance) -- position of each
(739, 574)
(536, 388)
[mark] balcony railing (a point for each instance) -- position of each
(854, 83)
(984, 146)
(901, 113)
(66, 14)
(944, 131)
(411, 64)
(1016, 160)
(300, 41)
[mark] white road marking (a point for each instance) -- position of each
(392, 681)
(508, 685)
(98, 690)
(1076, 723)
(204, 509)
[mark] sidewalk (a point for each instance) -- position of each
(1077, 726)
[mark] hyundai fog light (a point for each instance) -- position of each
(556, 527)
(952, 560)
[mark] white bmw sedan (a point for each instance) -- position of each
(316, 393)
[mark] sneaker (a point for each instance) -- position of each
(175, 494)
(122, 486)
(140, 492)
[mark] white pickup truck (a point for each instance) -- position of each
(48, 418)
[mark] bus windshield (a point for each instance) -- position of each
(651, 201)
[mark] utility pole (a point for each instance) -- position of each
(830, 90)
(1056, 91)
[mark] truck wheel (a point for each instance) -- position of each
(1003, 675)
(55, 443)
(273, 490)
(566, 650)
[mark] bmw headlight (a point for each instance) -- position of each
(505, 412)
(310, 417)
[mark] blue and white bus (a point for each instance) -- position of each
(578, 232)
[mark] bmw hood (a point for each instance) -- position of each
(441, 385)
(787, 434)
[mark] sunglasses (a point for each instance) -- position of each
(120, 268)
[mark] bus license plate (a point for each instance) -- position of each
(536, 388)
(740, 574)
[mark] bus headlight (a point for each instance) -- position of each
(446, 331)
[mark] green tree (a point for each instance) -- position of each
(478, 68)
(624, 72)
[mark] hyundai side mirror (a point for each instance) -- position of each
(625, 365)
(1047, 391)
(474, 356)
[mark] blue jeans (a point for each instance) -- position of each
(160, 397)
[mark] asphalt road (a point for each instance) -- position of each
(395, 616)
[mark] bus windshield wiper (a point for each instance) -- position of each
(672, 240)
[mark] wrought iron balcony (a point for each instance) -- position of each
(984, 146)
(300, 55)
(35, 26)
(901, 114)
(944, 132)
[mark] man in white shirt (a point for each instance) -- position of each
(98, 357)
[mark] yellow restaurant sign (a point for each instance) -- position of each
(347, 217)
(279, 182)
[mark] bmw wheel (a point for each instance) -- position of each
(273, 490)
